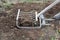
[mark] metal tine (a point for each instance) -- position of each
(18, 15)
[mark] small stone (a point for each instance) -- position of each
(23, 36)
(52, 25)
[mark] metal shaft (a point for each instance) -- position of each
(49, 7)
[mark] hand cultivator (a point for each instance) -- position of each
(42, 19)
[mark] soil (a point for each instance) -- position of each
(9, 31)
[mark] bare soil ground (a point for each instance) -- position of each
(9, 31)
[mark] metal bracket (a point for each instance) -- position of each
(43, 20)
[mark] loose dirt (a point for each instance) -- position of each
(9, 31)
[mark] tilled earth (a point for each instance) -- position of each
(9, 31)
